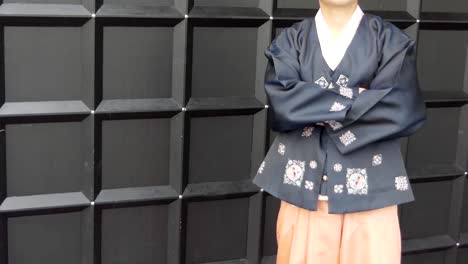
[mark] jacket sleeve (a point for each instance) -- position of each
(391, 107)
(294, 103)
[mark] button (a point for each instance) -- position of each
(325, 177)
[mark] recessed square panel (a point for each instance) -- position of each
(53, 239)
(140, 2)
(429, 214)
(71, 2)
(392, 5)
(135, 235)
(224, 61)
(442, 59)
(43, 63)
(272, 205)
(451, 6)
(464, 226)
(436, 257)
(137, 62)
(425, 149)
(220, 148)
(302, 4)
(462, 255)
(44, 158)
(135, 153)
(217, 230)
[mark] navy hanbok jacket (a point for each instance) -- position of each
(332, 140)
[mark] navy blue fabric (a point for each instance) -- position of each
(362, 132)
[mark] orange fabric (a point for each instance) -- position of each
(317, 237)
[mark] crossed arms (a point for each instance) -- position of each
(392, 106)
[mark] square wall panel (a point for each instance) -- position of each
(217, 230)
(139, 2)
(220, 148)
(135, 235)
(270, 244)
(302, 4)
(429, 214)
(44, 158)
(72, 2)
(137, 62)
(43, 63)
(135, 152)
(426, 150)
(271, 137)
(451, 6)
(392, 5)
(51, 239)
(224, 61)
(437, 257)
(462, 255)
(442, 59)
(464, 225)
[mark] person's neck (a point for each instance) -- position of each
(337, 16)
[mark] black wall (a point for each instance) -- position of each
(130, 130)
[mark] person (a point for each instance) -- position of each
(342, 91)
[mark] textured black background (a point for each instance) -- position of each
(130, 130)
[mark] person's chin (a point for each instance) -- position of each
(338, 2)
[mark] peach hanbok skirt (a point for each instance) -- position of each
(317, 237)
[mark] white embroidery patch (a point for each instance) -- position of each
(347, 138)
(281, 148)
(322, 82)
(337, 107)
(309, 185)
(260, 169)
(334, 124)
(401, 183)
(348, 92)
(342, 81)
(307, 131)
(337, 167)
(356, 181)
(377, 159)
(338, 188)
(331, 86)
(313, 164)
(294, 172)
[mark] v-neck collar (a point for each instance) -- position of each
(330, 72)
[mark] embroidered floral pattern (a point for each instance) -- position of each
(260, 169)
(337, 167)
(334, 124)
(356, 180)
(309, 185)
(294, 172)
(313, 164)
(338, 188)
(377, 159)
(281, 148)
(342, 81)
(322, 82)
(348, 92)
(307, 131)
(347, 138)
(401, 183)
(337, 107)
